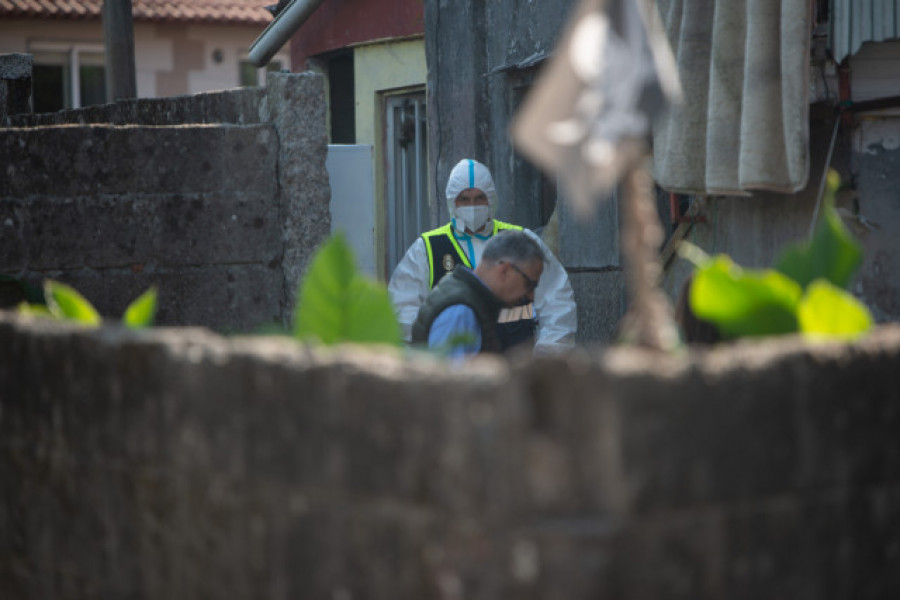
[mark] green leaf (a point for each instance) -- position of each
(142, 311)
(371, 316)
(744, 303)
(832, 254)
(827, 311)
(337, 304)
(321, 310)
(65, 302)
(34, 310)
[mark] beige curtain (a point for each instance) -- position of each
(744, 122)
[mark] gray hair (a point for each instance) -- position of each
(514, 246)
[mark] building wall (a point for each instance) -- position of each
(170, 59)
(176, 464)
(755, 230)
(481, 60)
(381, 69)
(337, 24)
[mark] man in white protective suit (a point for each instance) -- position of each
(549, 323)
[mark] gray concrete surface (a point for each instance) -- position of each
(176, 463)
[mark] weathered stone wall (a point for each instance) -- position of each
(219, 199)
(237, 106)
(181, 464)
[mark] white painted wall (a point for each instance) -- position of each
(155, 50)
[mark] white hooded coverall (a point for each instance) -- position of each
(554, 300)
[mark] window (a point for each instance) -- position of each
(338, 69)
(407, 173)
(250, 76)
(67, 76)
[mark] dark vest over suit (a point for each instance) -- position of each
(461, 286)
(445, 253)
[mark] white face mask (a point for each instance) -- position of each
(472, 218)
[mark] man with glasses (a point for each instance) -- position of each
(548, 320)
(459, 316)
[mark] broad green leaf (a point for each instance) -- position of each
(142, 311)
(832, 253)
(371, 315)
(828, 311)
(65, 302)
(322, 303)
(744, 303)
(337, 304)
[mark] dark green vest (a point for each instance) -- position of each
(444, 254)
(461, 286)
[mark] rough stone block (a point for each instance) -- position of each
(304, 189)
(12, 243)
(848, 422)
(736, 439)
(236, 227)
(248, 160)
(52, 233)
(236, 298)
(118, 231)
(444, 454)
(99, 159)
(172, 160)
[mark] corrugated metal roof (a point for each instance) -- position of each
(182, 11)
(854, 22)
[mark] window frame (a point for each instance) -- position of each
(73, 49)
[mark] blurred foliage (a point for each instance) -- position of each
(142, 312)
(336, 303)
(804, 293)
(63, 302)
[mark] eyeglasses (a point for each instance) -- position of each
(530, 283)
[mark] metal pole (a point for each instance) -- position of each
(75, 78)
(118, 29)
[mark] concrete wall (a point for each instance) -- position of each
(180, 464)
(218, 199)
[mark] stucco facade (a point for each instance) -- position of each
(171, 59)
